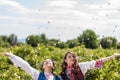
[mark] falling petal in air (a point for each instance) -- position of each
(103, 36)
(48, 22)
(94, 28)
(118, 9)
(109, 3)
(115, 26)
(106, 15)
(58, 34)
(113, 31)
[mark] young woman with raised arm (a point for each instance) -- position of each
(48, 66)
(72, 70)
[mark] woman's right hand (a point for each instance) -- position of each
(6, 53)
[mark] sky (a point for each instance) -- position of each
(60, 19)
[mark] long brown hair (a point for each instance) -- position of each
(75, 65)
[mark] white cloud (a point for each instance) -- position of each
(56, 16)
(14, 6)
(114, 3)
(63, 3)
(64, 16)
(4, 17)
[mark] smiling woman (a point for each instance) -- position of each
(48, 66)
(72, 70)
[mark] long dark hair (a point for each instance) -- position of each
(75, 66)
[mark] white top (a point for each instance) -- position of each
(84, 66)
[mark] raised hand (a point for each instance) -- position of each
(6, 53)
(116, 55)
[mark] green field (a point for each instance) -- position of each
(35, 57)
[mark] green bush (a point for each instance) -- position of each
(35, 56)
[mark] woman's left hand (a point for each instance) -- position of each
(116, 55)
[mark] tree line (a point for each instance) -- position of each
(88, 38)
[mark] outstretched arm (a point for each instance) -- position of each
(19, 62)
(84, 66)
(115, 55)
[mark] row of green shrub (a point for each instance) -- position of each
(35, 57)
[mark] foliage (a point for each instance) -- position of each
(72, 43)
(61, 45)
(4, 41)
(12, 39)
(43, 48)
(53, 42)
(43, 39)
(118, 45)
(89, 39)
(33, 40)
(35, 57)
(108, 42)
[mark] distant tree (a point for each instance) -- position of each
(20, 44)
(61, 45)
(4, 38)
(12, 39)
(108, 42)
(43, 38)
(4, 41)
(114, 42)
(33, 40)
(53, 42)
(118, 45)
(72, 43)
(1, 41)
(89, 39)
